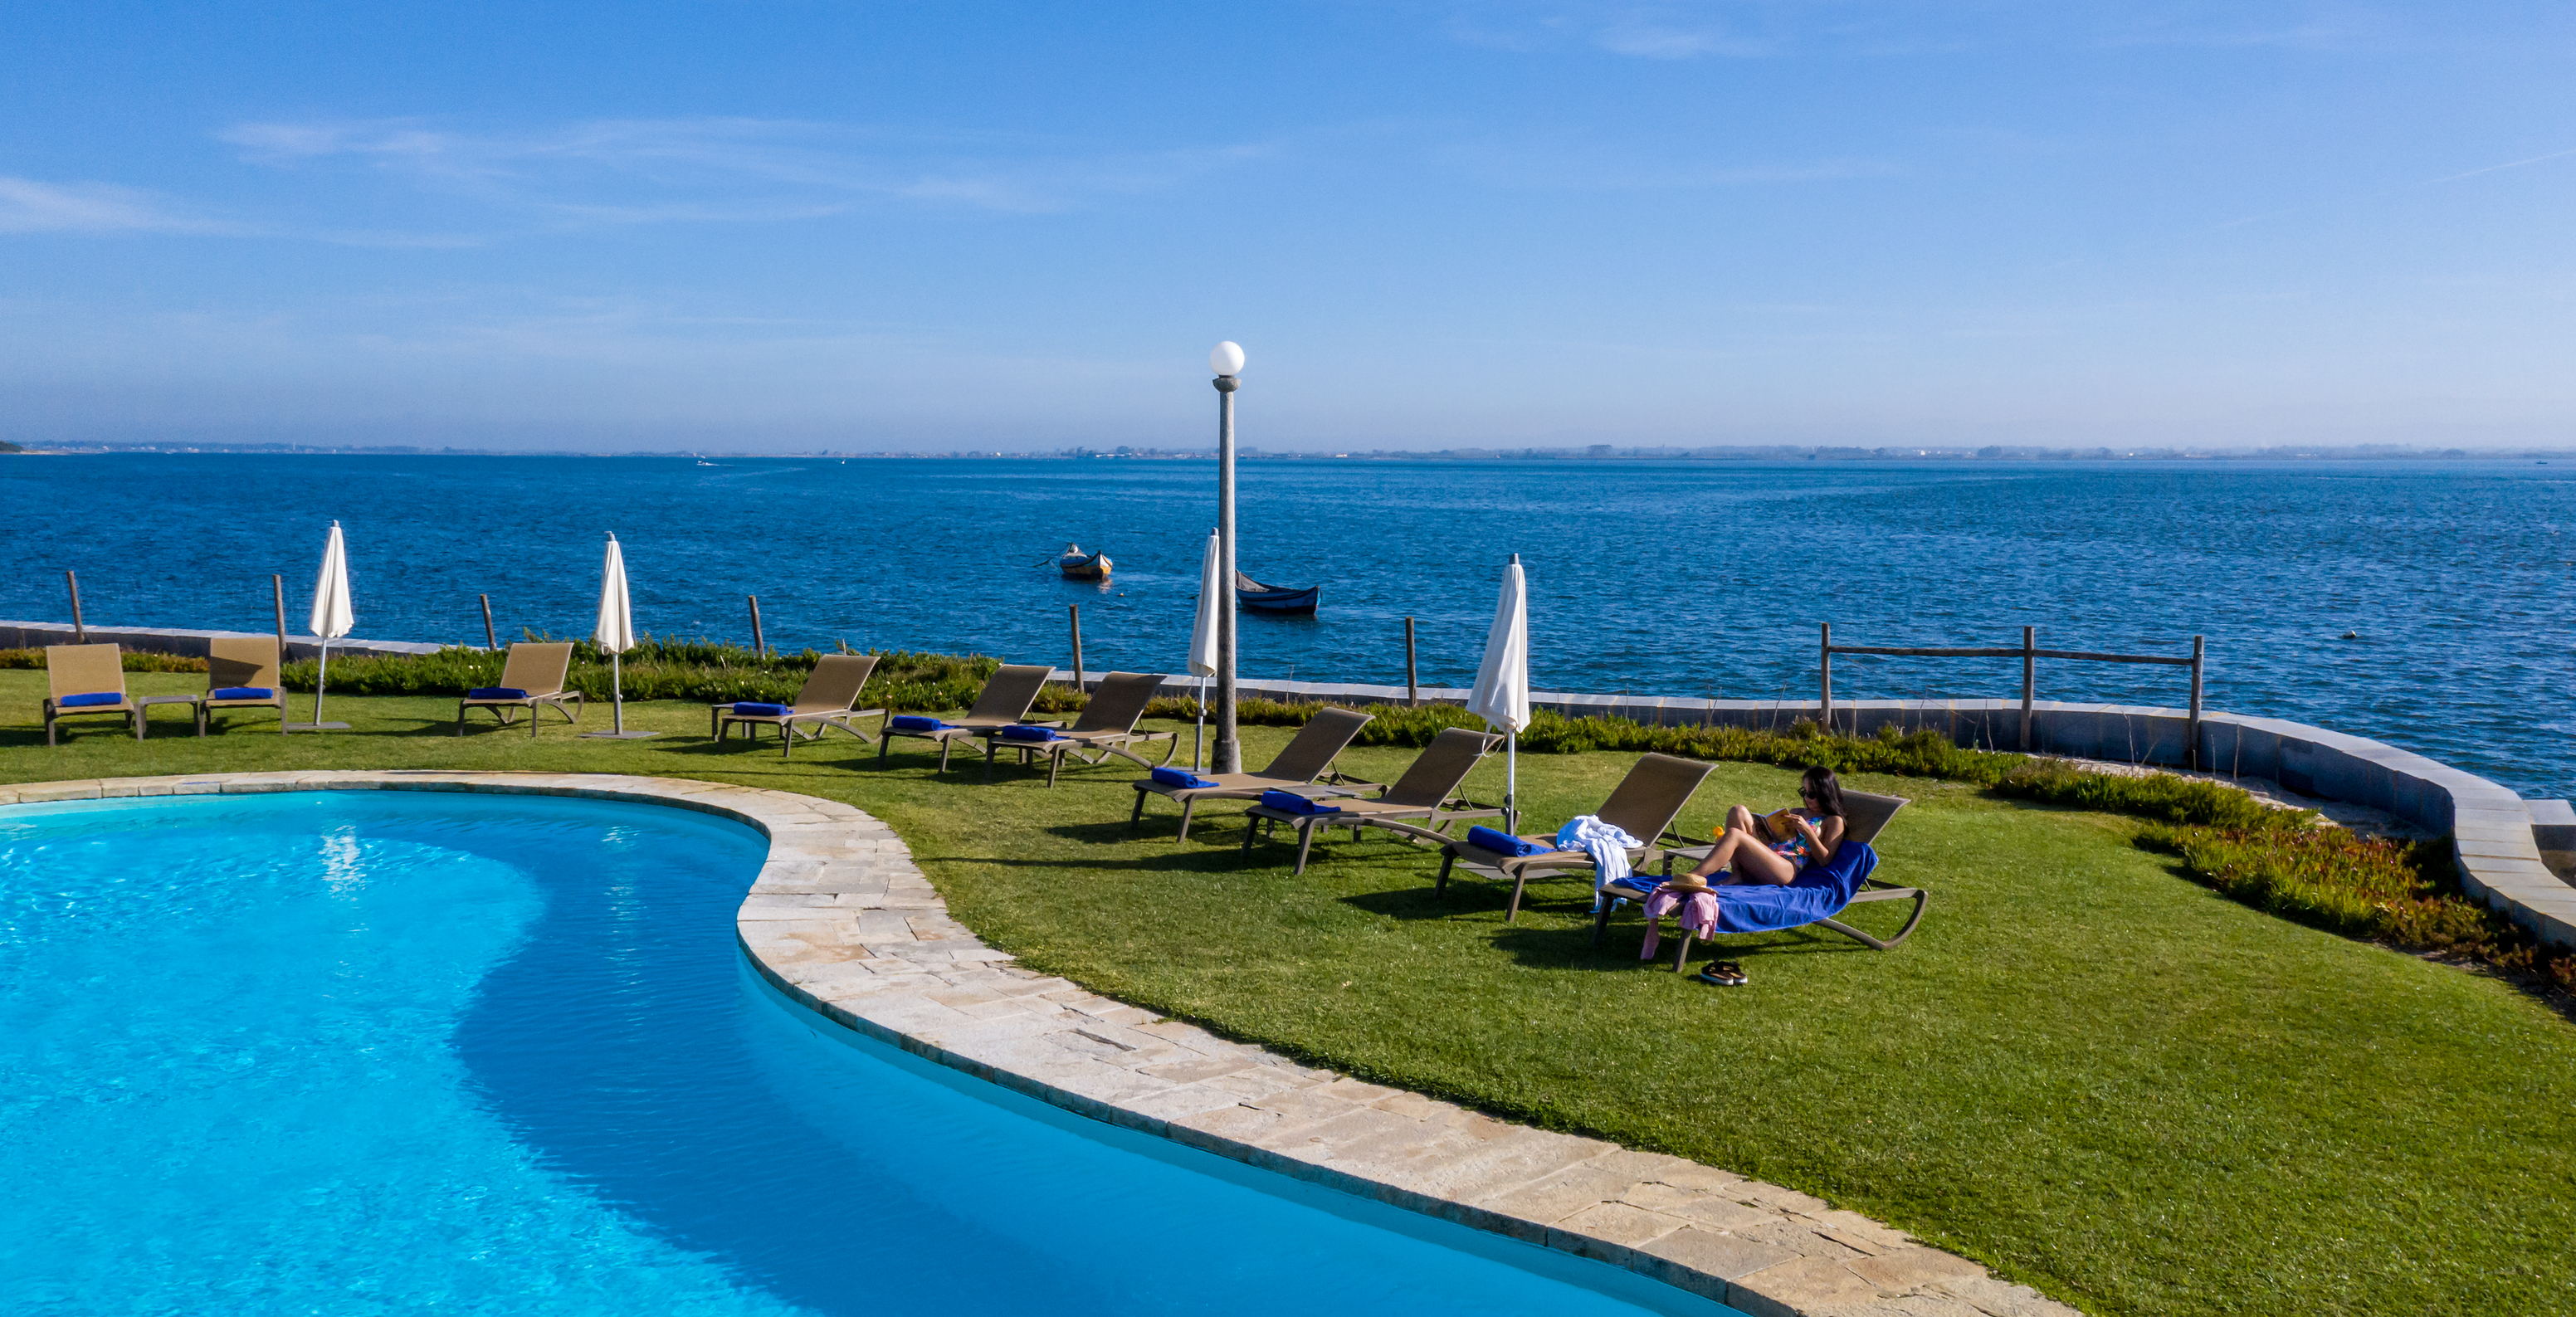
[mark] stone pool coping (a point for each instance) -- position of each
(843, 922)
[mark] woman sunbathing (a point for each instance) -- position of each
(1749, 853)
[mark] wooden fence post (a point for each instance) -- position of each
(2029, 679)
(1412, 691)
(1076, 610)
(759, 646)
(80, 629)
(1825, 674)
(2191, 751)
(491, 640)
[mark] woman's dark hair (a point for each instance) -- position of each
(1820, 785)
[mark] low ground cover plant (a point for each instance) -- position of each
(2402, 893)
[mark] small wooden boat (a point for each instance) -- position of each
(1281, 599)
(1079, 566)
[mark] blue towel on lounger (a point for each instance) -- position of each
(913, 722)
(1023, 732)
(1818, 892)
(1292, 803)
(756, 709)
(1179, 777)
(242, 693)
(496, 693)
(85, 701)
(1504, 843)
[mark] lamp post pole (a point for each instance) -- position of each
(1227, 756)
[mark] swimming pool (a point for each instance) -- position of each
(390, 1051)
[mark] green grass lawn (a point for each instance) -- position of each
(2085, 1070)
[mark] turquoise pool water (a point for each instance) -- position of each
(386, 1052)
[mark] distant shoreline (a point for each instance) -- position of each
(1587, 453)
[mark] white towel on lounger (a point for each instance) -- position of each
(1605, 843)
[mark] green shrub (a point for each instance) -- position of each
(135, 661)
(665, 669)
(2159, 796)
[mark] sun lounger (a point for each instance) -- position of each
(1864, 816)
(86, 681)
(829, 698)
(1005, 700)
(1107, 727)
(242, 673)
(1425, 795)
(1644, 806)
(532, 678)
(1309, 754)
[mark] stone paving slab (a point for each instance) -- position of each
(843, 922)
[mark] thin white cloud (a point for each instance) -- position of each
(32, 206)
(732, 169)
(1653, 41)
(1747, 29)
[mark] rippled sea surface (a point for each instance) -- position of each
(394, 1052)
(1671, 578)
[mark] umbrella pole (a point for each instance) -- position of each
(321, 677)
(1511, 781)
(617, 691)
(1198, 736)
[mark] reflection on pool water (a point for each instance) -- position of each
(383, 1051)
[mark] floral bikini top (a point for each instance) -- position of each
(1794, 850)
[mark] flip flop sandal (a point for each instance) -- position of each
(1723, 973)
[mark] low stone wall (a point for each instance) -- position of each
(188, 644)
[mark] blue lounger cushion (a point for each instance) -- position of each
(757, 709)
(1023, 732)
(1291, 802)
(1179, 777)
(913, 722)
(496, 693)
(85, 701)
(1820, 891)
(242, 693)
(1504, 843)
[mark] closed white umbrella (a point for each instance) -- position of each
(616, 634)
(1501, 696)
(332, 617)
(1203, 655)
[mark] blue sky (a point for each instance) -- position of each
(795, 226)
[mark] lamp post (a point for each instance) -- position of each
(1227, 362)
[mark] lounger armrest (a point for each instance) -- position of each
(1874, 890)
(1398, 825)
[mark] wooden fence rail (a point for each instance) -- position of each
(2029, 653)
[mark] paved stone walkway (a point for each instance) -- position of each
(843, 921)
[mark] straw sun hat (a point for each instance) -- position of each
(1685, 882)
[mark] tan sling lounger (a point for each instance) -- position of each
(1107, 727)
(1423, 795)
(539, 670)
(242, 663)
(1864, 817)
(1644, 806)
(74, 670)
(1297, 768)
(1005, 700)
(829, 698)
